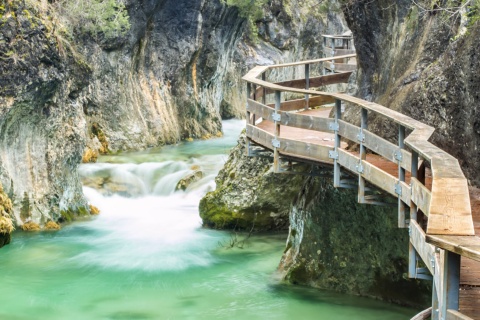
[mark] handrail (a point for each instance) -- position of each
(449, 209)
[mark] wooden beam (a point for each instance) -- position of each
(455, 315)
(466, 246)
(423, 315)
(308, 122)
(425, 251)
(299, 104)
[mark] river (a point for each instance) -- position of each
(146, 255)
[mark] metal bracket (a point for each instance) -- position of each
(398, 155)
(333, 126)
(359, 168)
(276, 117)
(275, 143)
(398, 188)
(333, 154)
(361, 136)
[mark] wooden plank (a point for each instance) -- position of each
(339, 36)
(418, 240)
(338, 51)
(308, 122)
(260, 136)
(260, 110)
(466, 246)
(469, 299)
(348, 131)
(455, 315)
(348, 161)
(423, 315)
(299, 63)
(314, 82)
(340, 67)
(380, 178)
(299, 104)
(450, 211)
(305, 150)
(421, 196)
(387, 149)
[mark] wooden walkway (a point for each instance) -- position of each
(432, 194)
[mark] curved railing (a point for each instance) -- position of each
(446, 204)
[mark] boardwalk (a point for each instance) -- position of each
(426, 181)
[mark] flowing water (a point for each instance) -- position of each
(147, 257)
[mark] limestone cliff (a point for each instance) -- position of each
(336, 243)
(173, 74)
(41, 119)
(422, 60)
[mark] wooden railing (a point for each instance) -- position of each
(446, 204)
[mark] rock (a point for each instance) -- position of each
(337, 244)
(189, 179)
(424, 65)
(6, 213)
(248, 194)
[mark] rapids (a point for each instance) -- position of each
(146, 255)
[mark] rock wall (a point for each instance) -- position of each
(41, 119)
(174, 75)
(422, 61)
(335, 243)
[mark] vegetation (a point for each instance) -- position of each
(94, 210)
(6, 209)
(251, 10)
(52, 225)
(30, 226)
(108, 18)
(26, 208)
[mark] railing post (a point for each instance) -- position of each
(435, 311)
(324, 70)
(412, 253)
(307, 85)
(276, 141)
(332, 66)
(401, 177)
(363, 155)
(264, 96)
(336, 165)
(248, 115)
(451, 283)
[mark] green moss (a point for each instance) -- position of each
(26, 208)
(98, 132)
(71, 213)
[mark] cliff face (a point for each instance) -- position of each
(41, 119)
(336, 243)
(422, 61)
(174, 74)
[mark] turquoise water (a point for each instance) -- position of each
(147, 257)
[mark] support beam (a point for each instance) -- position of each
(451, 283)
(336, 165)
(412, 254)
(363, 155)
(276, 140)
(249, 142)
(402, 208)
(307, 85)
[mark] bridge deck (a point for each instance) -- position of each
(470, 269)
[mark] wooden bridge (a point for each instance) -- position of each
(292, 120)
